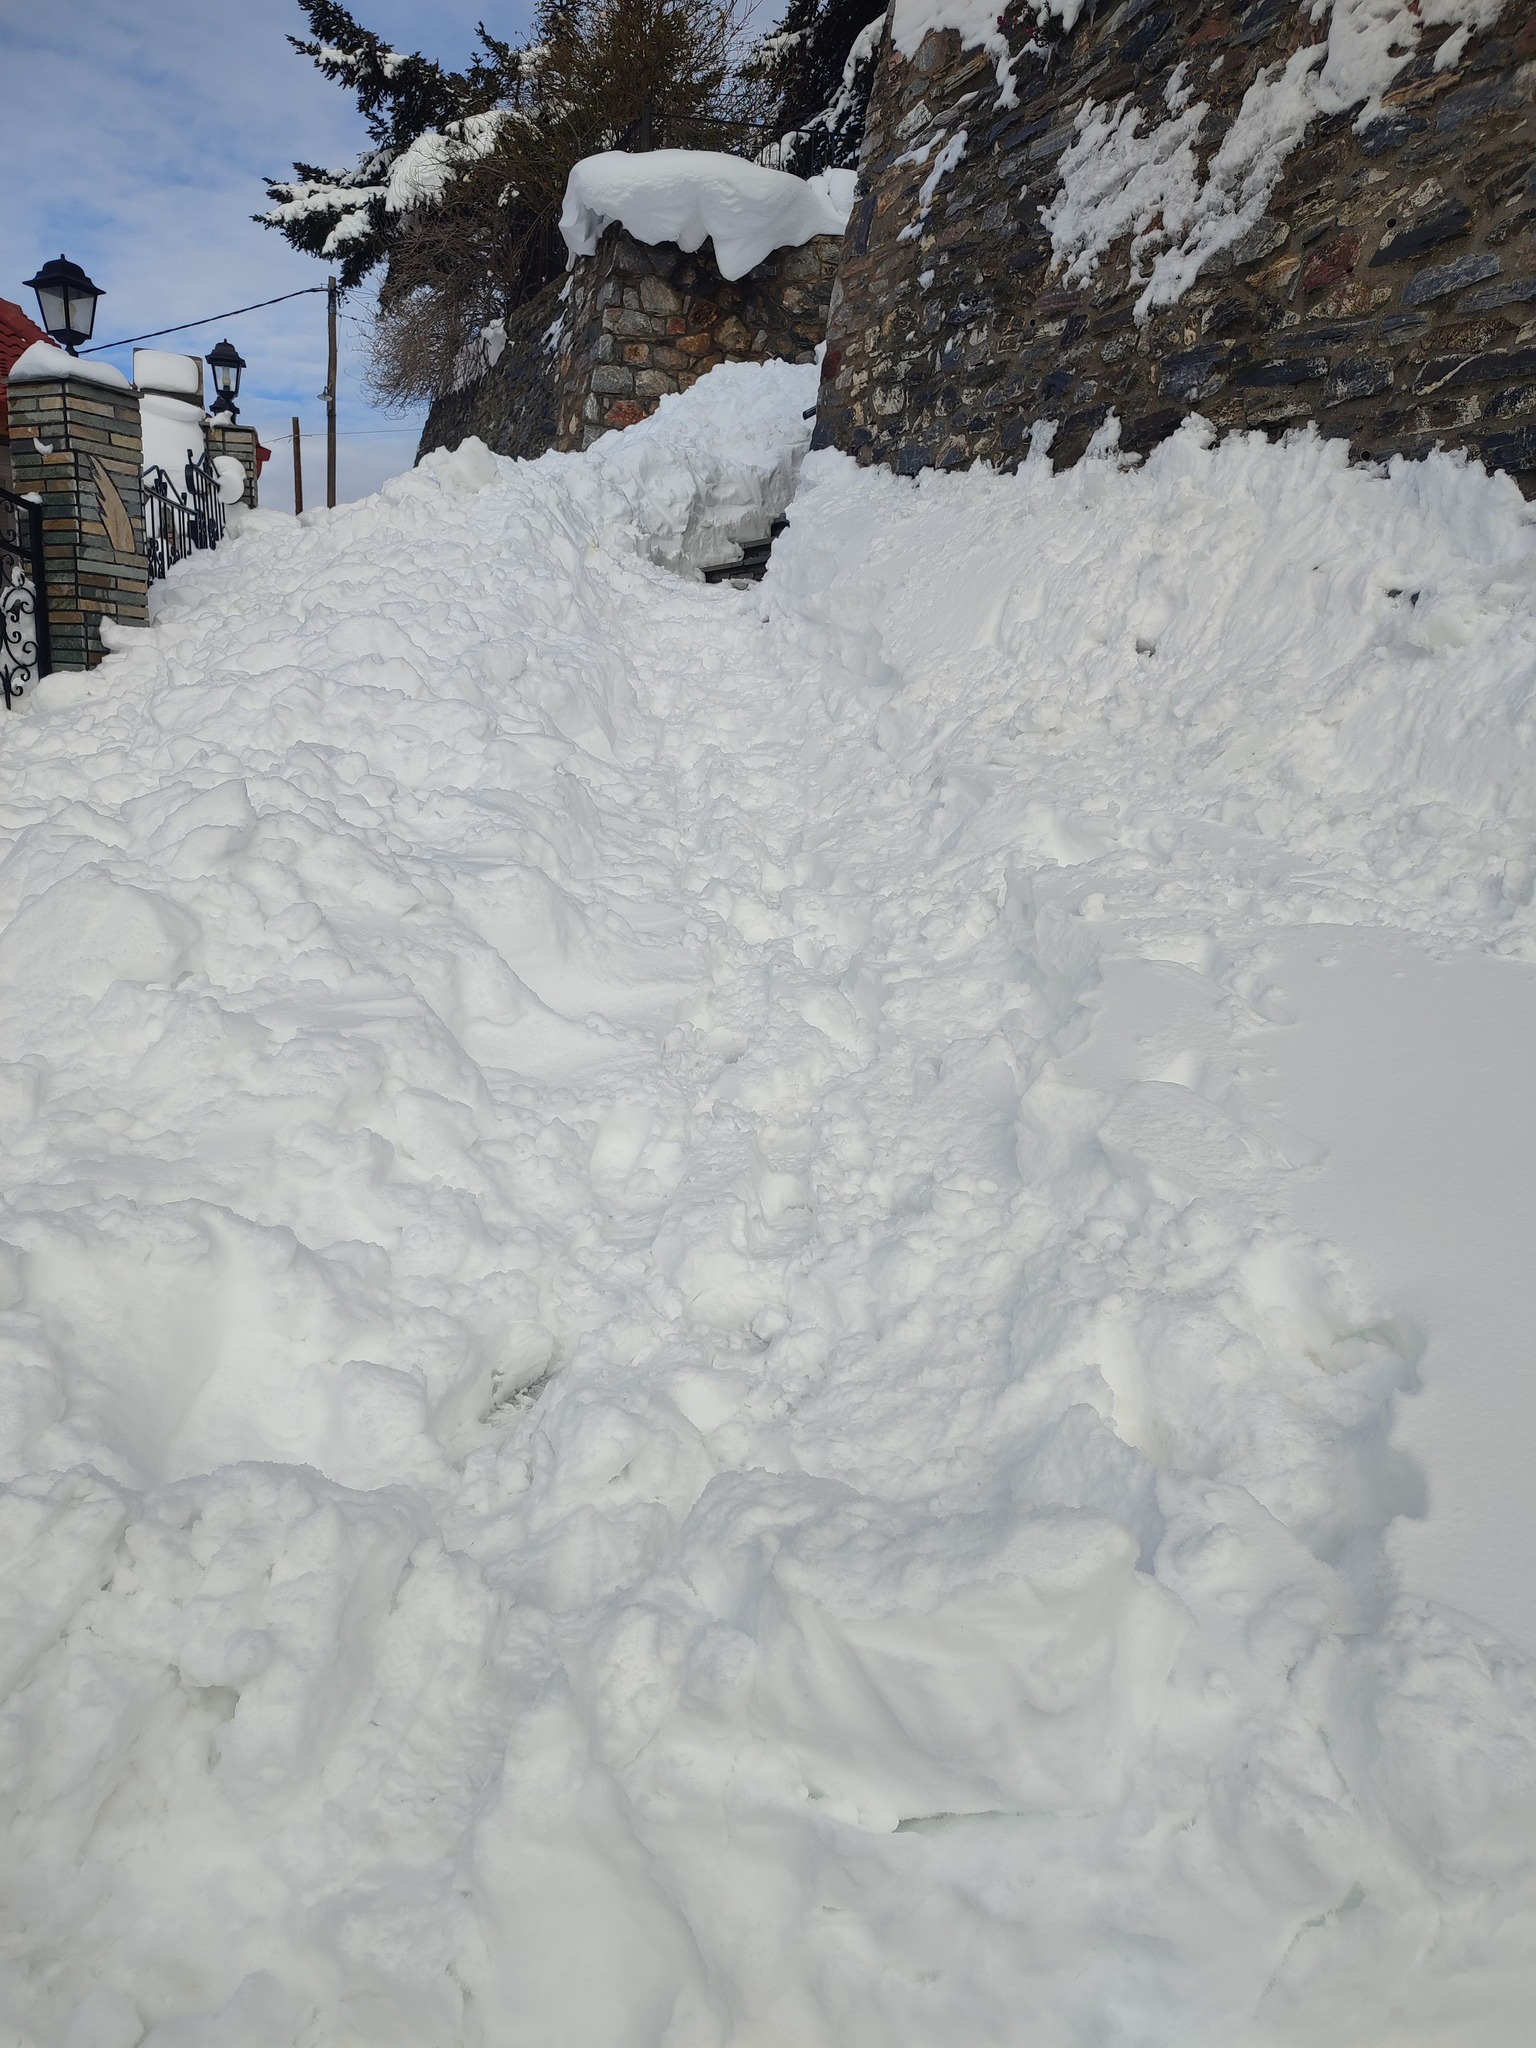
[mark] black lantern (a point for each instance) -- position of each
(226, 364)
(67, 300)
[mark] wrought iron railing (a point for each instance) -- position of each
(177, 522)
(24, 651)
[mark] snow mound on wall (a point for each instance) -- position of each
(173, 434)
(690, 196)
(597, 1441)
(169, 373)
(42, 362)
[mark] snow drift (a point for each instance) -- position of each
(693, 196)
(601, 1444)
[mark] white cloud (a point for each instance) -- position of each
(141, 136)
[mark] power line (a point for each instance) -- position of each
(303, 293)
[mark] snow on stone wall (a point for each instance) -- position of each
(745, 211)
(643, 319)
(173, 434)
(511, 405)
(648, 308)
(1267, 213)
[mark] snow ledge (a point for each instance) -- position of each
(42, 362)
(690, 196)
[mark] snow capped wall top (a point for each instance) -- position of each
(168, 371)
(974, 21)
(161, 405)
(1369, 41)
(689, 196)
(42, 361)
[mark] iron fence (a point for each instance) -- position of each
(25, 654)
(177, 522)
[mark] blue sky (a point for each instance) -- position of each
(137, 133)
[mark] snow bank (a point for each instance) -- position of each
(690, 196)
(713, 467)
(602, 1439)
(42, 360)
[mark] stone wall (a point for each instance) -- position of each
(641, 321)
(512, 407)
(1388, 293)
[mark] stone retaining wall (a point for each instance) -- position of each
(1388, 293)
(512, 407)
(641, 321)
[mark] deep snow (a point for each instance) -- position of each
(626, 1420)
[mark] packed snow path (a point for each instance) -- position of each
(614, 1438)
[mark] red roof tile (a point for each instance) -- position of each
(17, 334)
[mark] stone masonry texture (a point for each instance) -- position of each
(641, 321)
(1388, 295)
(67, 437)
(511, 408)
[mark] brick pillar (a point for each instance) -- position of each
(76, 442)
(240, 442)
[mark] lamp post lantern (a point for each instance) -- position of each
(66, 299)
(226, 364)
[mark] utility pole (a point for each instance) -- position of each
(298, 470)
(332, 296)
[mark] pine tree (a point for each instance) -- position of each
(459, 196)
(820, 65)
(343, 214)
